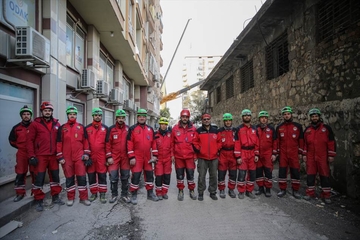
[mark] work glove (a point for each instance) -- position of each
(239, 161)
(132, 162)
(33, 161)
(87, 161)
(153, 160)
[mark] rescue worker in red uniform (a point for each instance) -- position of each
(268, 154)
(290, 142)
(207, 146)
(184, 156)
(17, 139)
(73, 153)
(247, 155)
(227, 161)
(117, 157)
(142, 151)
(41, 145)
(97, 135)
(163, 165)
(319, 151)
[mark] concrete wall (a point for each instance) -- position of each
(324, 75)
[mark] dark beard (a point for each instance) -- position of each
(246, 121)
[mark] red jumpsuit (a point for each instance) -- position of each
(97, 135)
(267, 148)
(181, 144)
(246, 148)
(140, 145)
(17, 139)
(116, 148)
(41, 143)
(72, 144)
(163, 166)
(227, 159)
(319, 144)
(290, 144)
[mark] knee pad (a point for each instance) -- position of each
(102, 178)
(295, 173)
(282, 172)
(241, 176)
(149, 176)
(232, 175)
(259, 172)
(92, 177)
(268, 173)
(135, 178)
(167, 179)
(310, 180)
(325, 181)
(55, 175)
(180, 173)
(39, 179)
(252, 175)
(124, 174)
(114, 176)
(221, 175)
(81, 180)
(158, 180)
(70, 181)
(20, 179)
(189, 174)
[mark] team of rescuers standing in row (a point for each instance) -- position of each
(246, 153)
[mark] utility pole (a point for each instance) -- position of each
(182, 35)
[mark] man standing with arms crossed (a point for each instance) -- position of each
(140, 146)
(17, 139)
(41, 145)
(117, 157)
(97, 135)
(184, 156)
(290, 143)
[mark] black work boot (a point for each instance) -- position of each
(222, 194)
(40, 205)
(268, 192)
(250, 195)
(18, 197)
(232, 193)
(213, 196)
(193, 195)
(114, 192)
(151, 196)
(201, 197)
(296, 194)
(181, 195)
(103, 198)
(93, 197)
(57, 200)
(113, 199)
(241, 195)
(133, 199)
(260, 191)
(281, 193)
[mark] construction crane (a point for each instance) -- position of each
(174, 95)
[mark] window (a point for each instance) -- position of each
(247, 76)
(80, 108)
(218, 94)
(126, 87)
(334, 17)
(108, 118)
(75, 45)
(230, 87)
(276, 57)
(106, 70)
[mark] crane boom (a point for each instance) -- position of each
(174, 95)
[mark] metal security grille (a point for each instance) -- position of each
(276, 55)
(230, 87)
(334, 17)
(247, 76)
(218, 94)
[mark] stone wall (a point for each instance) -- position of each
(323, 75)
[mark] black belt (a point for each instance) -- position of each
(248, 148)
(227, 149)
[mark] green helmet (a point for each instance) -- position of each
(141, 112)
(120, 113)
(227, 116)
(314, 111)
(164, 120)
(263, 114)
(246, 112)
(71, 109)
(96, 111)
(25, 108)
(286, 109)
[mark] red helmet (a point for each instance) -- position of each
(185, 112)
(46, 105)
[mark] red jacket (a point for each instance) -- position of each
(163, 144)
(319, 142)
(97, 136)
(140, 141)
(72, 142)
(206, 143)
(290, 139)
(267, 140)
(181, 141)
(116, 146)
(18, 136)
(227, 142)
(41, 140)
(246, 138)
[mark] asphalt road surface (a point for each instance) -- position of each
(261, 218)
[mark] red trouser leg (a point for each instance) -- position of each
(295, 172)
(283, 168)
(69, 172)
(159, 173)
(21, 169)
(190, 167)
(180, 165)
(260, 172)
(248, 157)
(91, 171)
(80, 172)
(53, 169)
(101, 170)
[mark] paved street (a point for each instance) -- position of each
(262, 218)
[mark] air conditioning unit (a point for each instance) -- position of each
(32, 46)
(102, 88)
(149, 89)
(88, 79)
(136, 107)
(128, 104)
(114, 95)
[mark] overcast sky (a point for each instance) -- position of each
(214, 26)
